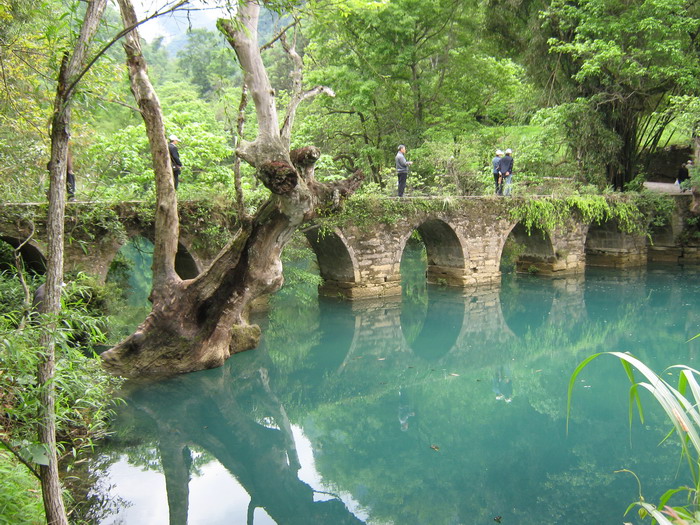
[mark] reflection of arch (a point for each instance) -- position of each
(32, 257)
(536, 248)
(446, 259)
(608, 246)
(338, 331)
(526, 303)
(418, 322)
(336, 261)
(610, 296)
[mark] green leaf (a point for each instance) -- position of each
(38, 452)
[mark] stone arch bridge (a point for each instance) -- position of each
(464, 243)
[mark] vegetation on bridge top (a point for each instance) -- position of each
(633, 212)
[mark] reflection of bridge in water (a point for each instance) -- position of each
(382, 328)
(464, 245)
(243, 414)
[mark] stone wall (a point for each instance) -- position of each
(464, 241)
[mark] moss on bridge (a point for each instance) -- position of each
(633, 212)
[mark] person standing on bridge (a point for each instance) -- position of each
(402, 167)
(70, 177)
(505, 170)
(496, 176)
(683, 175)
(175, 159)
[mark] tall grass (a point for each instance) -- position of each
(681, 405)
(84, 392)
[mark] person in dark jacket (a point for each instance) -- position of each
(497, 180)
(505, 170)
(70, 177)
(684, 174)
(175, 159)
(402, 168)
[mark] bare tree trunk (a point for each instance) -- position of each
(199, 323)
(167, 228)
(60, 126)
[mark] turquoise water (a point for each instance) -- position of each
(446, 407)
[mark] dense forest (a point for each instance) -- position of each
(585, 93)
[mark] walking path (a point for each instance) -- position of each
(663, 187)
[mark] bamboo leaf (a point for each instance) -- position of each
(572, 382)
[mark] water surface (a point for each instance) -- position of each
(446, 407)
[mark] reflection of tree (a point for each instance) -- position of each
(340, 384)
(245, 427)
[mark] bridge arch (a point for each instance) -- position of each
(608, 246)
(186, 266)
(31, 255)
(445, 250)
(536, 250)
(337, 263)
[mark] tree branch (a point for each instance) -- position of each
(278, 36)
(24, 462)
(167, 221)
(269, 145)
(298, 94)
(118, 37)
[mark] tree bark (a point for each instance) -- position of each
(167, 228)
(199, 323)
(71, 67)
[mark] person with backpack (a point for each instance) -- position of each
(505, 170)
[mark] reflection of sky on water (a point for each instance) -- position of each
(333, 381)
(215, 495)
(309, 475)
(143, 489)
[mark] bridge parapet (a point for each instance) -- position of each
(464, 241)
(95, 232)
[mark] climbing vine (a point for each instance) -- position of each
(633, 213)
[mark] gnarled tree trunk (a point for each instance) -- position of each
(199, 323)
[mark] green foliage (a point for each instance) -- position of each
(405, 72)
(548, 214)
(681, 408)
(208, 61)
(84, 392)
(626, 59)
(512, 250)
(590, 145)
(20, 497)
